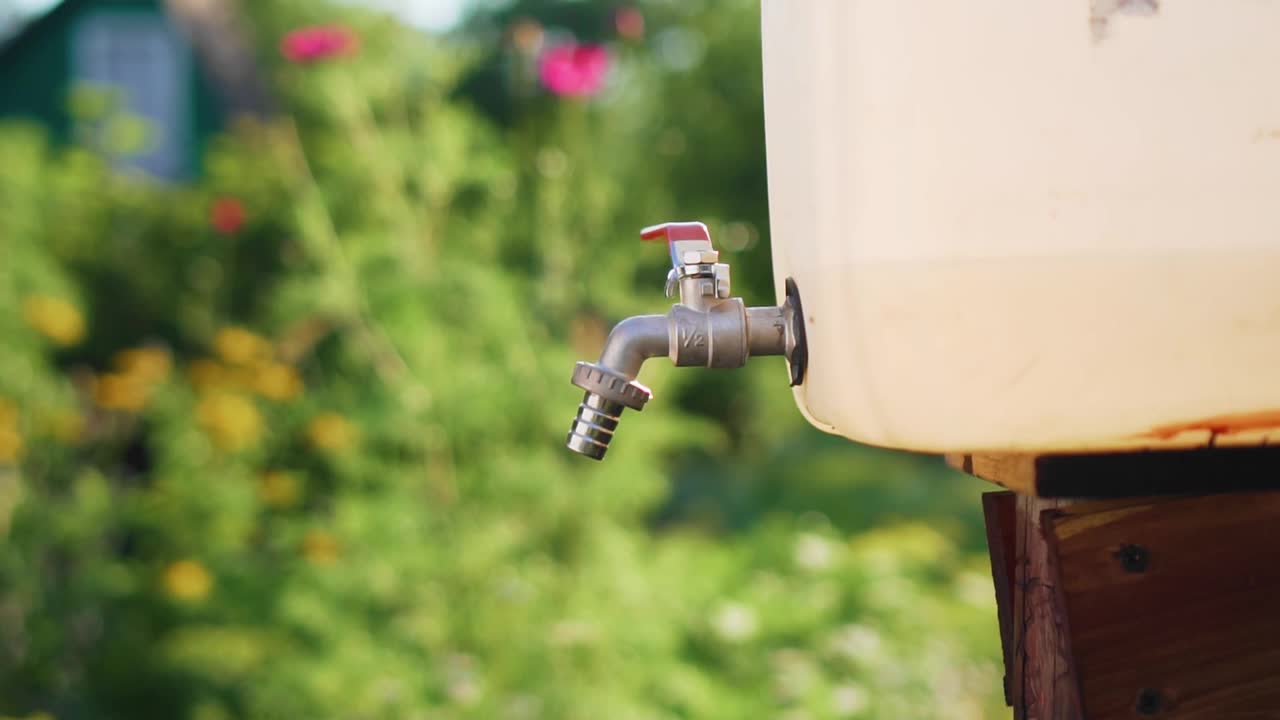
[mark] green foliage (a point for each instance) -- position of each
(286, 444)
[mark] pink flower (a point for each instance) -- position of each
(574, 70)
(629, 22)
(319, 42)
(226, 215)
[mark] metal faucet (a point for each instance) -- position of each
(707, 328)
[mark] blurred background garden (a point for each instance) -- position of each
(290, 293)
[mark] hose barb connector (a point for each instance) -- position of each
(609, 392)
(707, 328)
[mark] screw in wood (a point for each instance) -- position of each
(1134, 558)
(1150, 702)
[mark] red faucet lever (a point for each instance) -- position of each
(680, 236)
(673, 231)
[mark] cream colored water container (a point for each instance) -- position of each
(1030, 225)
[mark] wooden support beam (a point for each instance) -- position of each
(1173, 605)
(1042, 683)
(1011, 471)
(1128, 474)
(1000, 512)
(1164, 607)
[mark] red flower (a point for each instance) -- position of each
(226, 215)
(629, 22)
(574, 70)
(319, 42)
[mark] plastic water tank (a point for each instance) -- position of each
(1030, 226)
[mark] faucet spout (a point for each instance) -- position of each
(610, 384)
(633, 341)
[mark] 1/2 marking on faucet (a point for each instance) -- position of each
(691, 338)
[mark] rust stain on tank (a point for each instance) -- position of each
(1219, 425)
(1102, 11)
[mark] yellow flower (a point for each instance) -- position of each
(320, 547)
(151, 365)
(54, 318)
(116, 391)
(205, 374)
(331, 431)
(10, 438)
(10, 445)
(279, 489)
(238, 346)
(137, 373)
(232, 421)
(237, 378)
(277, 382)
(187, 580)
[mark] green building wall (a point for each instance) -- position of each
(36, 76)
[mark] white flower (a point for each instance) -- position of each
(462, 680)
(814, 552)
(856, 642)
(464, 692)
(734, 622)
(794, 673)
(849, 699)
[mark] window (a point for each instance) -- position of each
(146, 60)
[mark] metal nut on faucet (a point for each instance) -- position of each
(610, 385)
(700, 257)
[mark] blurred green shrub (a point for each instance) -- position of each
(286, 443)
